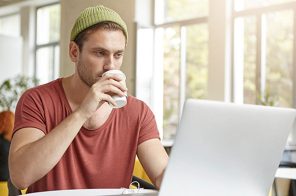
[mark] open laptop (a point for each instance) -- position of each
(226, 149)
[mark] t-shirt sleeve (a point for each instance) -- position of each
(29, 112)
(148, 129)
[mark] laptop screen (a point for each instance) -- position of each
(226, 149)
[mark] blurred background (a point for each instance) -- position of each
(241, 51)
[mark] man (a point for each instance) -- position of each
(67, 135)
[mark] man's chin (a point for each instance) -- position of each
(98, 78)
(88, 83)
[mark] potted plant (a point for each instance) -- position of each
(267, 99)
(10, 91)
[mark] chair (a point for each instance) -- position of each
(143, 183)
(12, 190)
(141, 177)
(3, 188)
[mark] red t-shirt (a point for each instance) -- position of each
(101, 158)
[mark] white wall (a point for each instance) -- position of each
(11, 57)
(70, 11)
(19, 52)
(27, 14)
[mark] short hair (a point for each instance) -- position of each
(83, 35)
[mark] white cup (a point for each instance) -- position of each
(120, 101)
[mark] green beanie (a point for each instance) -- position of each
(94, 15)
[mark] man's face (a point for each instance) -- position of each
(102, 51)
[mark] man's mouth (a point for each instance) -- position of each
(98, 78)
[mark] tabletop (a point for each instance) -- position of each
(96, 192)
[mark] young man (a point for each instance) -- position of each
(67, 135)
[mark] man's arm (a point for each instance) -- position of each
(154, 159)
(32, 154)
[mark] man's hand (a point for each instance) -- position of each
(101, 92)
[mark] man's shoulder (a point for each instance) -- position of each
(47, 88)
(136, 105)
(133, 101)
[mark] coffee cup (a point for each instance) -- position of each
(120, 100)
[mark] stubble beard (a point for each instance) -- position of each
(84, 76)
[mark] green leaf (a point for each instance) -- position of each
(11, 89)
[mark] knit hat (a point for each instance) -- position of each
(94, 15)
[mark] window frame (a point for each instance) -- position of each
(258, 12)
(50, 45)
(181, 25)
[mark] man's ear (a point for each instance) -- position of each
(74, 51)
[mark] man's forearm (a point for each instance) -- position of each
(158, 180)
(32, 161)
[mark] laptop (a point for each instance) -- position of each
(226, 149)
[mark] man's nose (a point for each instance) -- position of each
(109, 63)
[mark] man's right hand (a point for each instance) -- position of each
(100, 92)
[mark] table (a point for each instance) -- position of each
(97, 192)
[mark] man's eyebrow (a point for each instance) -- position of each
(106, 50)
(100, 48)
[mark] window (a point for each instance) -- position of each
(173, 10)
(172, 78)
(47, 42)
(180, 65)
(251, 61)
(182, 26)
(240, 5)
(184, 70)
(10, 25)
(264, 37)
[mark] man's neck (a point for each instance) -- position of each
(75, 89)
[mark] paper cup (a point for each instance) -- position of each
(120, 101)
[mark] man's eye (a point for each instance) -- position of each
(100, 53)
(118, 55)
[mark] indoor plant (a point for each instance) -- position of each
(10, 91)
